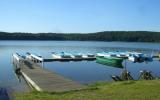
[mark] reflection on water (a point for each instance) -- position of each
(90, 71)
(84, 72)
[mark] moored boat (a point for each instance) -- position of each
(110, 61)
(90, 55)
(77, 55)
(106, 54)
(62, 55)
(139, 57)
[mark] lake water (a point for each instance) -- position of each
(84, 71)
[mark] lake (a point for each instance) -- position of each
(84, 72)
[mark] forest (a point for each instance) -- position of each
(126, 36)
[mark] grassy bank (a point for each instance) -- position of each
(133, 90)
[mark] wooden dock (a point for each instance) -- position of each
(70, 59)
(37, 58)
(44, 80)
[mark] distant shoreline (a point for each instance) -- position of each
(83, 41)
(106, 36)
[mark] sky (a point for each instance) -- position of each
(79, 16)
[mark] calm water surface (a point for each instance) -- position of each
(84, 72)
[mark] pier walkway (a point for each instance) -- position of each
(44, 80)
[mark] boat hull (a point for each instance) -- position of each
(110, 61)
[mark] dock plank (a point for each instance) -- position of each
(49, 81)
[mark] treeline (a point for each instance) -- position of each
(129, 36)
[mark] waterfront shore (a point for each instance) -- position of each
(127, 90)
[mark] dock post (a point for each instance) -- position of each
(42, 63)
(125, 65)
(12, 58)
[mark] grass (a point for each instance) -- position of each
(129, 90)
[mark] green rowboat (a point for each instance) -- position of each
(110, 61)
